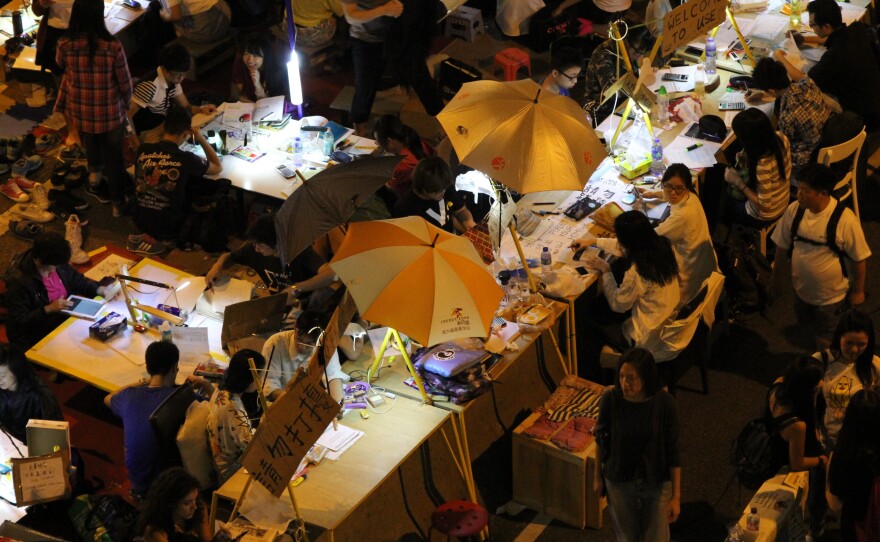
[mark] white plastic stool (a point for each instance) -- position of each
(465, 23)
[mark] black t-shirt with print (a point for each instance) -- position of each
(430, 210)
(161, 175)
(304, 266)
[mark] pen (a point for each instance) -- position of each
(694, 146)
(544, 203)
(542, 213)
(269, 114)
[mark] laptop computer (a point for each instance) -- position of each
(248, 320)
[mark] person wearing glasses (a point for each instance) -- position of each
(686, 228)
(565, 68)
(850, 69)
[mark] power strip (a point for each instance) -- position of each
(375, 400)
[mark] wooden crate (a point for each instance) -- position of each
(557, 483)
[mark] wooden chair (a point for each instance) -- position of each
(845, 187)
(765, 232)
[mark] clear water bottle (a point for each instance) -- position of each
(735, 534)
(657, 166)
(753, 521)
(700, 81)
(662, 117)
(710, 55)
(165, 332)
(509, 297)
(547, 273)
(327, 143)
(297, 152)
(794, 18)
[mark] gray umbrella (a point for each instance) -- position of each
(327, 200)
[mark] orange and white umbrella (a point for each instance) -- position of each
(409, 275)
(528, 138)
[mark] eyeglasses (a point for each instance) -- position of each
(570, 77)
(675, 189)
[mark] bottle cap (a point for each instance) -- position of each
(661, 90)
(754, 510)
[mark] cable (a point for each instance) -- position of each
(427, 475)
(11, 440)
(406, 505)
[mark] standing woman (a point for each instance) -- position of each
(637, 439)
(850, 366)
(94, 95)
(766, 162)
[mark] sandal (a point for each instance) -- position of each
(25, 229)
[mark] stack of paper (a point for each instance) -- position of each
(338, 440)
(742, 6)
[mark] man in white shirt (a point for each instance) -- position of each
(824, 279)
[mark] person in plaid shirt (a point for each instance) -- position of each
(801, 106)
(95, 92)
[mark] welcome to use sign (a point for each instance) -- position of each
(689, 20)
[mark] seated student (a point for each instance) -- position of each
(687, 229)
(316, 21)
(151, 99)
(36, 292)
(434, 198)
(800, 105)
(201, 21)
(257, 70)
(173, 511)
(23, 396)
(649, 290)
(566, 64)
(289, 350)
(134, 404)
(305, 274)
(794, 441)
(398, 138)
(234, 413)
(167, 180)
(762, 173)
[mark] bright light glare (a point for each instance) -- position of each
(296, 95)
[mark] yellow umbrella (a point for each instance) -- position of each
(528, 138)
(418, 279)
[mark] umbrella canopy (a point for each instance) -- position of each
(327, 200)
(416, 278)
(528, 138)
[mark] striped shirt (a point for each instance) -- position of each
(156, 95)
(772, 188)
(96, 89)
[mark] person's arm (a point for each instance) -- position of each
(154, 535)
(674, 508)
(182, 101)
(215, 166)
(325, 277)
(355, 14)
(796, 435)
(734, 178)
(172, 14)
(834, 502)
(200, 385)
(465, 218)
(123, 77)
(216, 270)
(857, 290)
(794, 73)
(109, 398)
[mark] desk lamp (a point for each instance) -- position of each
(293, 78)
(133, 304)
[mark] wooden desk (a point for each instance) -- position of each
(119, 361)
(336, 489)
(516, 386)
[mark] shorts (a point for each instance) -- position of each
(822, 318)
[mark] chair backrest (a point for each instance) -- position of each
(677, 333)
(166, 421)
(841, 152)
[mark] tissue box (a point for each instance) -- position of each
(107, 326)
(631, 171)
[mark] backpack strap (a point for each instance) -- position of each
(830, 234)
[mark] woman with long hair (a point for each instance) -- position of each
(649, 289)
(763, 170)
(173, 511)
(850, 366)
(639, 463)
(94, 96)
(234, 413)
(258, 72)
(855, 465)
(23, 396)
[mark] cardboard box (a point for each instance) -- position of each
(108, 326)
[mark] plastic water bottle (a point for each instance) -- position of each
(710, 56)
(327, 143)
(753, 521)
(794, 18)
(735, 534)
(700, 81)
(297, 152)
(547, 266)
(662, 107)
(165, 332)
(509, 297)
(657, 166)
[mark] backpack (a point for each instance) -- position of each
(747, 272)
(830, 234)
(102, 518)
(212, 222)
(752, 453)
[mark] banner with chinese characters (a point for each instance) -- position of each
(289, 429)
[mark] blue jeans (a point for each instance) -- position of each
(638, 510)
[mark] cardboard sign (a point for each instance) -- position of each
(689, 20)
(291, 425)
(627, 84)
(338, 322)
(41, 479)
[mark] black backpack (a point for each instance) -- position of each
(747, 272)
(830, 234)
(212, 221)
(751, 452)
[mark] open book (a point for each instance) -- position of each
(265, 110)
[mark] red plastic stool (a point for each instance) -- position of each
(511, 60)
(459, 519)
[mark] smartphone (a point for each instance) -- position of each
(286, 172)
(731, 106)
(131, 4)
(677, 77)
(581, 270)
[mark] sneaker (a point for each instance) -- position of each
(59, 173)
(25, 184)
(39, 197)
(75, 176)
(13, 148)
(25, 229)
(25, 165)
(76, 202)
(73, 236)
(32, 212)
(144, 244)
(13, 192)
(99, 191)
(45, 142)
(72, 152)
